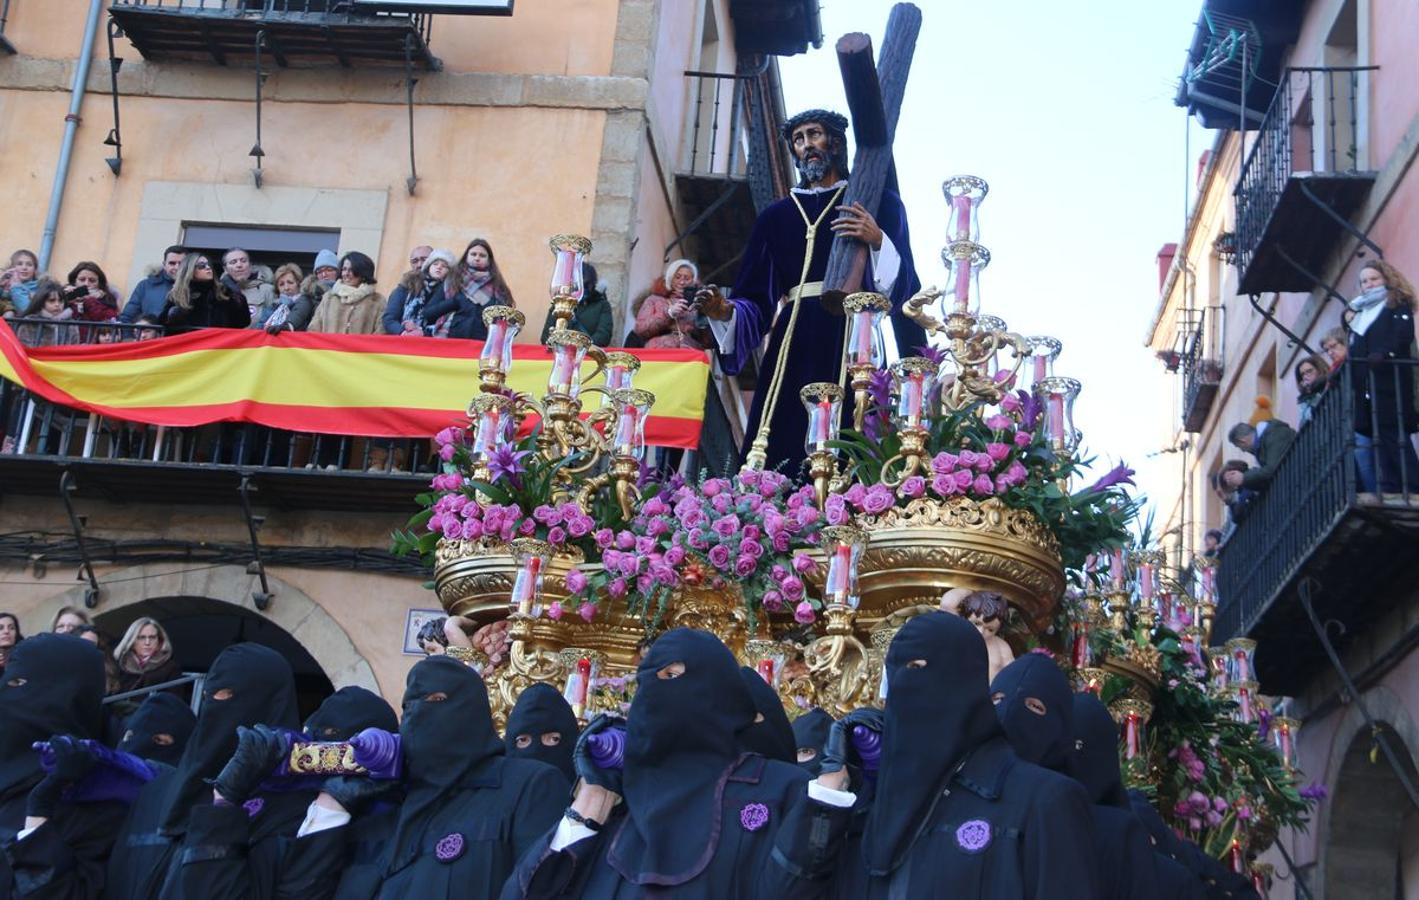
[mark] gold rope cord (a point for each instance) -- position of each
(759, 450)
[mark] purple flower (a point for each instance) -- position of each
(587, 611)
(721, 503)
(644, 584)
(675, 555)
(1314, 791)
(1119, 474)
(944, 463)
(792, 588)
(1010, 403)
(803, 612)
(472, 529)
(505, 462)
(1030, 409)
(719, 556)
(782, 540)
(913, 487)
(944, 485)
(997, 451)
(555, 611)
(745, 565)
(580, 526)
(629, 564)
(963, 480)
(751, 549)
(616, 587)
(655, 507)
(999, 423)
(802, 563)
(576, 581)
(697, 540)
(983, 485)
(879, 499)
(726, 527)
(625, 540)
(808, 515)
(713, 487)
(645, 545)
(527, 529)
(605, 537)
(855, 494)
(556, 535)
(547, 515)
(773, 601)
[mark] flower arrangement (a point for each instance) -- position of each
(751, 530)
(980, 453)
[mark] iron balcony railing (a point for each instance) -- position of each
(1314, 486)
(1201, 366)
(719, 127)
(294, 10)
(1313, 125)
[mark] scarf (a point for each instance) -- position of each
(280, 314)
(349, 296)
(479, 288)
(1366, 308)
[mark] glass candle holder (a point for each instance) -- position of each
(844, 545)
(494, 423)
(1218, 669)
(767, 657)
(824, 402)
(964, 261)
(865, 310)
(1241, 653)
(1044, 350)
(1283, 738)
(914, 379)
(503, 323)
(1080, 653)
(1118, 569)
(621, 369)
(583, 667)
(632, 409)
(569, 251)
(964, 194)
(531, 557)
(1146, 564)
(568, 351)
(1058, 394)
(1245, 694)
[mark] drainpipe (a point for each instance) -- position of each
(71, 126)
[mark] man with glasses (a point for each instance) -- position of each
(151, 294)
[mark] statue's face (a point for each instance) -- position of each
(987, 627)
(812, 137)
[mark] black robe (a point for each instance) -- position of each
(62, 686)
(160, 714)
(541, 709)
(955, 809)
(771, 267)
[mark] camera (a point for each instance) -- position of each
(692, 294)
(75, 293)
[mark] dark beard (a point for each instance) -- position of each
(814, 168)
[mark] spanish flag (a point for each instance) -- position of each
(371, 385)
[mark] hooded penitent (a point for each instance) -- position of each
(349, 711)
(540, 710)
(446, 733)
(1036, 709)
(53, 684)
(938, 711)
(681, 745)
(771, 735)
(810, 732)
(159, 729)
(1094, 762)
(248, 684)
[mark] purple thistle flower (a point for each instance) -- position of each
(934, 354)
(505, 462)
(1030, 409)
(1314, 791)
(1119, 474)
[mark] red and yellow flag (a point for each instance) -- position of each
(373, 385)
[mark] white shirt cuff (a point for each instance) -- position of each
(568, 833)
(26, 832)
(723, 332)
(886, 264)
(319, 818)
(830, 797)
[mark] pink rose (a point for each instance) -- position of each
(803, 612)
(912, 487)
(944, 485)
(967, 458)
(999, 423)
(712, 487)
(879, 499)
(616, 587)
(983, 485)
(719, 556)
(605, 537)
(803, 563)
(655, 507)
(745, 565)
(836, 509)
(625, 540)
(1010, 403)
(726, 527)
(752, 549)
(644, 584)
(472, 529)
(773, 601)
(997, 451)
(778, 572)
(576, 581)
(554, 612)
(580, 526)
(808, 515)
(792, 588)
(1023, 439)
(587, 611)
(675, 555)
(963, 480)
(721, 503)
(944, 462)
(556, 535)
(782, 541)
(645, 545)
(855, 494)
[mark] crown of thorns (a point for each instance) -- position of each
(834, 122)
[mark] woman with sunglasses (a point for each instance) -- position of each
(199, 300)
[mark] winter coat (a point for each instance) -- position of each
(1390, 399)
(260, 295)
(427, 295)
(593, 318)
(212, 307)
(149, 298)
(37, 335)
(302, 308)
(349, 310)
(657, 328)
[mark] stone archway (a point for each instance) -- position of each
(292, 610)
(1368, 813)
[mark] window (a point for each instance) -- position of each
(268, 246)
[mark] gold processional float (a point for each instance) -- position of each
(950, 480)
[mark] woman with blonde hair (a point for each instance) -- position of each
(144, 656)
(68, 620)
(1385, 362)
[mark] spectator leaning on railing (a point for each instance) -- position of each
(199, 300)
(1265, 438)
(352, 305)
(47, 305)
(1381, 342)
(1334, 346)
(150, 296)
(89, 293)
(292, 309)
(240, 278)
(1312, 377)
(418, 290)
(478, 284)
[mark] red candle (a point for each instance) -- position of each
(563, 273)
(1116, 571)
(1132, 735)
(1056, 418)
(961, 203)
(626, 430)
(1283, 732)
(864, 336)
(963, 285)
(1243, 670)
(583, 671)
(1040, 364)
(766, 671)
(1145, 581)
(525, 586)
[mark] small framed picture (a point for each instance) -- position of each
(414, 619)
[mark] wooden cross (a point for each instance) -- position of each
(874, 98)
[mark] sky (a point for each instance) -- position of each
(1066, 109)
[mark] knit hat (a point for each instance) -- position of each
(445, 255)
(678, 264)
(327, 258)
(1262, 413)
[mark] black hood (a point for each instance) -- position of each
(540, 710)
(936, 715)
(263, 692)
(682, 741)
(810, 732)
(160, 714)
(443, 741)
(349, 711)
(52, 684)
(1036, 709)
(1094, 762)
(771, 734)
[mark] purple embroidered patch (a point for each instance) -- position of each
(973, 836)
(449, 847)
(754, 816)
(253, 807)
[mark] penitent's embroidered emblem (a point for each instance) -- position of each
(754, 816)
(253, 807)
(973, 836)
(449, 847)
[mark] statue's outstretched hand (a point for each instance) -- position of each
(714, 304)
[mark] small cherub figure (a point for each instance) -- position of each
(951, 600)
(987, 611)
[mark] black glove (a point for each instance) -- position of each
(258, 751)
(839, 752)
(72, 762)
(357, 792)
(586, 769)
